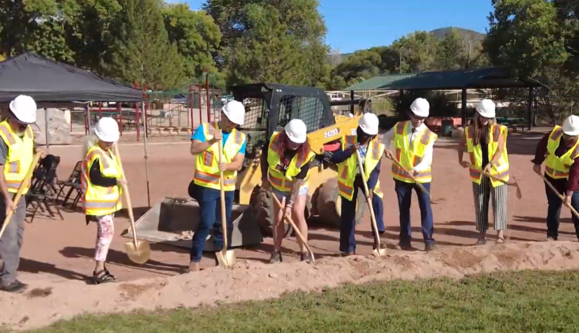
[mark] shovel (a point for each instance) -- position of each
(515, 183)
(137, 251)
(420, 186)
(24, 185)
(559, 195)
(378, 250)
(226, 257)
(295, 228)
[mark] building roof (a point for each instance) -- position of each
(378, 81)
(443, 80)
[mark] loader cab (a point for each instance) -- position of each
(269, 107)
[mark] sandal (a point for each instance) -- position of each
(500, 240)
(103, 276)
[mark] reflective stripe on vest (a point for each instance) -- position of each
(347, 170)
(280, 181)
(501, 170)
(207, 162)
(98, 200)
(557, 167)
(19, 157)
(410, 156)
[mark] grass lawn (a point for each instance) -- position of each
(508, 302)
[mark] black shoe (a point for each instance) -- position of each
(347, 254)
(275, 257)
(429, 247)
(305, 257)
(15, 287)
(405, 246)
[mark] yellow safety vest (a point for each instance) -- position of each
(501, 170)
(409, 157)
(558, 167)
(207, 163)
(98, 200)
(347, 169)
(277, 179)
(20, 156)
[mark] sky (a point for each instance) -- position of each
(360, 24)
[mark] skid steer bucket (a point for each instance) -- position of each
(172, 220)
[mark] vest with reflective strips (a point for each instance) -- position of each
(410, 156)
(98, 200)
(347, 169)
(277, 179)
(558, 167)
(20, 156)
(207, 163)
(501, 170)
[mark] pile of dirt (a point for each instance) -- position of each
(49, 301)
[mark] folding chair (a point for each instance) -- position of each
(42, 187)
(71, 184)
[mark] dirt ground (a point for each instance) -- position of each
(57, 254)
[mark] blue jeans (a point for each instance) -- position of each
(210, 209)
(555, 204)
(348, 218)
(404, 193)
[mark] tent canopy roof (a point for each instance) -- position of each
(447, 80)
(49, 81)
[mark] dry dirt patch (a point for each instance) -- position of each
(50, 301)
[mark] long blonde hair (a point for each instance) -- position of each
(478, 130)
(90, 140)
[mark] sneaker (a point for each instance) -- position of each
(305, 256)
(551, 239)
(275, 257)
(481, 241)
(429, 247)
(15, 287)
(193, 267)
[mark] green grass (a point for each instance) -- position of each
(508, 302)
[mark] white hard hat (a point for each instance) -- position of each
(420, 107)
(235, 112)
(296, 131)
(107, 130)
(24, 109)
(369, 123)
(571, 125)
(486, 108)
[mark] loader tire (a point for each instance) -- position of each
(262, 203)
(328, 203)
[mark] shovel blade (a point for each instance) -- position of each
(139, 254)
(226, 258)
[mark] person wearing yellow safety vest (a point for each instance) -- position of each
(560, 150)
(285, 168)
(204, 145)
(101, 184)
(16, 156)
(485, 141)
(414, 147)
(350, 178)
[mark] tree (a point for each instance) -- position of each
(452, 52)
(417, 52)
(533, 38)
(261, 38)
(196, 36)
(142, 51)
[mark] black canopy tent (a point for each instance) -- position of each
(51, 82)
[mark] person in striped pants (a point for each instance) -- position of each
(485, 141)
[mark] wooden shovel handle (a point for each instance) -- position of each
(420, 186)
(222, 195)
(23, 186)
(559, 195)
(370, 207)
(297, 231)
(127, 195)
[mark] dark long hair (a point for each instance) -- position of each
(302, 150)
